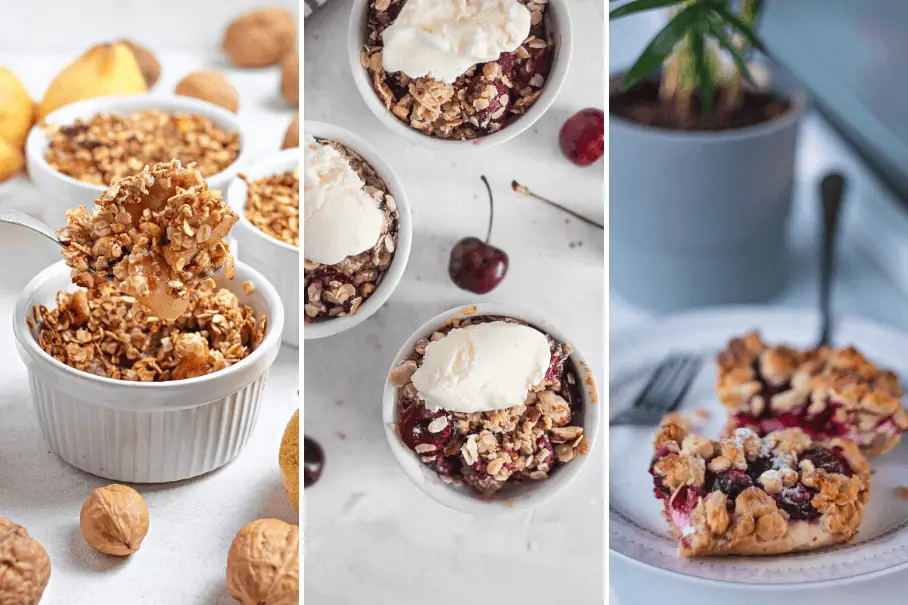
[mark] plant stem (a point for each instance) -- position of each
(525, 191)
(491, 208)
(734, 96)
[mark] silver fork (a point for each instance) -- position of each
(664, 392)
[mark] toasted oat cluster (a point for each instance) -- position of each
(827, 392)
(156, 235)
(483, 100)
(273, 205)
(339, 289)
(748, 495)
(490, 450)
(97, 332)
(109, 146)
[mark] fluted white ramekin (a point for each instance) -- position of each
(64, 192)
(518, 497)
(276, 260)
(146, 432)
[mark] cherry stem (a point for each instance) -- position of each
(491, 207)
(524, 190)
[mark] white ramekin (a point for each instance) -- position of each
(143, 432)
(278, 261)
(519, 497)
(558, 21)
(336, 325)
(64, 192)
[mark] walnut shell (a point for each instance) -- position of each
(24, 566)
(290, 78)
(289, 460)
(261, 37)
(11, 162)
(114, 520)
(148, 63)
(263, 565)
(17, 110)
(292, 136)
(209, 86)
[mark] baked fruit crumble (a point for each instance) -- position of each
(273, 205)
(96, 331)
(827, 392)
(156, 235)
(338, 289)
(481, 101)
(748, 495)
(107, 146)
(491, 450)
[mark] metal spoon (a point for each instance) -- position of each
(832, 189)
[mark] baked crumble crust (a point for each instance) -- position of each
(157, 235)
(749, 495)
(483, 100)
(337, 290)
(96, 331)
(108, 146)
(832, 392)
(273, 205)
(490, 450)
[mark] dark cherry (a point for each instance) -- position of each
(506, 62)
(414, 428)
(446, 465)
(732, 483)
(796, 502)
(582, 137)
(824, 459)
(758, 467)
(476, 265)
(313, 461)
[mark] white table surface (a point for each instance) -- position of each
(183, 558)
(862, 289)
(372, 536)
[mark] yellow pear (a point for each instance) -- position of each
(17, 110)
(289, 459)
(105, 69)
(11, 160)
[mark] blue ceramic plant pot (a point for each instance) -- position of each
(700, 218)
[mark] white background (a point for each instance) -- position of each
(372, 536)
(183, 558)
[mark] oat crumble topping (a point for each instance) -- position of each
(273, 205)
(97, 332)
(482, 101)
(108, 146)
(339, 289)
(490, 450)
(157, 234)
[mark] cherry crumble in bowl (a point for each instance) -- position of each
(493, 450)
(483, 100)
(339, 289)
(826, 392)
(748, 495)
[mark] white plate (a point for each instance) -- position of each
(637, 530)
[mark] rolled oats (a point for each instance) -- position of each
(273, 205)
(108, 146)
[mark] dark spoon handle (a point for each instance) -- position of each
(832, 190)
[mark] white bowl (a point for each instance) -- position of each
(278, 261)
(558, 21)
(514, 498)
(336, 325)
(64, 192)
(146, 432)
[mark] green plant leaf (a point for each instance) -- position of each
(641, 5)
(658, 50)
(716, 30)
(724, 14)
(706, 86)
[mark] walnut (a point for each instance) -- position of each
(771, 481)
(750, 442)
(290, 78)
(148, 63)
(788, 441)
(402, 374)
(263, 564)
(114, 520)
(695, 445)
(716, 512)
(12, 161)
(679, 470)
(292, 136)
(771, 526)
(734, 453)
(261, 37)
(17, 112)
(24, 566)
(672, 430)
(755, 501)
(209, 86)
